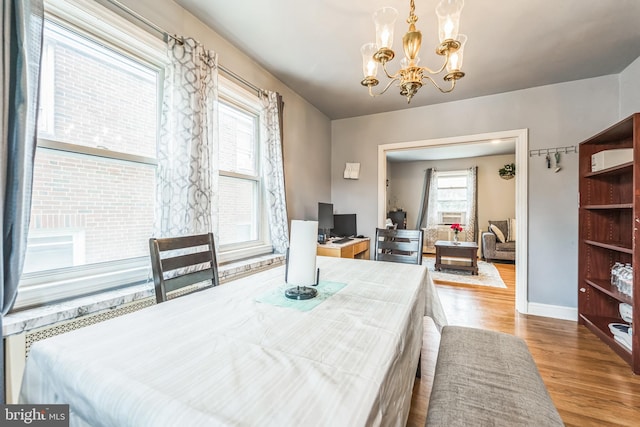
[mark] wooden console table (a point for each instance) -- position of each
(356, 248)
(468, 250)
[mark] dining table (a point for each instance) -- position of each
(242, 354)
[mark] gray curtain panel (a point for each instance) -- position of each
(22, 22)
(476, 231)
(274, 170)
(187, 173)
(431, 222)
(424, 203)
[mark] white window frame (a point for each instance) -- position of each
(47, 95)
(97, 23)
(443, 214)
(232, 94)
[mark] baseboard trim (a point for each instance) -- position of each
(553, 311)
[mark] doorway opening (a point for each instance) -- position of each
(520, 136)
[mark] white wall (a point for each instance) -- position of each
(630, 90)
(556, 115)
(496, 196)
(307, 132)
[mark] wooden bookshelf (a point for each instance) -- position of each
(609, 206)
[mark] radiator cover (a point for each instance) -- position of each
(17, 347)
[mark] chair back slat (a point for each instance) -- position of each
(181, 270)
(188, 279)
(172, 243)
(182, 261)
(406, 259)
(398, 245)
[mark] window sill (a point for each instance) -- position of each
(22, 321)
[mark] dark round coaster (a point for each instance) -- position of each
(300, 292)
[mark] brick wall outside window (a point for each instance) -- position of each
(102, 102)
(109, 200)
(237, 210)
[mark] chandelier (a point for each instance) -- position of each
(410, 77)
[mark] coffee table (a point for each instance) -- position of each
(468, 250)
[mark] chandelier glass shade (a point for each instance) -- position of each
(411, 76)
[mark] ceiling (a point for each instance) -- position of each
(314, 46)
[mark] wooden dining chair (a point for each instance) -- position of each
(399, 245)
(181, 262)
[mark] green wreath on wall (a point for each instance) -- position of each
(508, 171)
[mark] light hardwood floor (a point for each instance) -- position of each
(589, 384)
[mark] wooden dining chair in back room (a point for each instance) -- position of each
(399, 245)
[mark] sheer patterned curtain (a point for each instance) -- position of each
(471, 230)
(187, 173)
(274, 170)
(22, 22)
(431, 233)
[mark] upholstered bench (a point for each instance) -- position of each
(487, 378)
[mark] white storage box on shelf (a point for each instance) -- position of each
(610, 158)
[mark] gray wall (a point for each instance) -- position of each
(307, 132)
(630, 90)
(556, 115)
(496, 196)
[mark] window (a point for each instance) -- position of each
(240, 190)
(94, 172)
(239, 177)
(452, 203)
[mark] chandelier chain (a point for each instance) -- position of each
(412, 19)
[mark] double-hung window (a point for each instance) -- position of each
(452, 203)
(95, 163)
(241, 209)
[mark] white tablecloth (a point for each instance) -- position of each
(219, 357)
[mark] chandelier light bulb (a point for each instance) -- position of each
(385, 20)
(455, 59)
(448, 12)
(447, 28)
(386, 38)
(406, 62)
(369, 65)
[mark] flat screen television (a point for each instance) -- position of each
(325, 216)
(344, 225)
